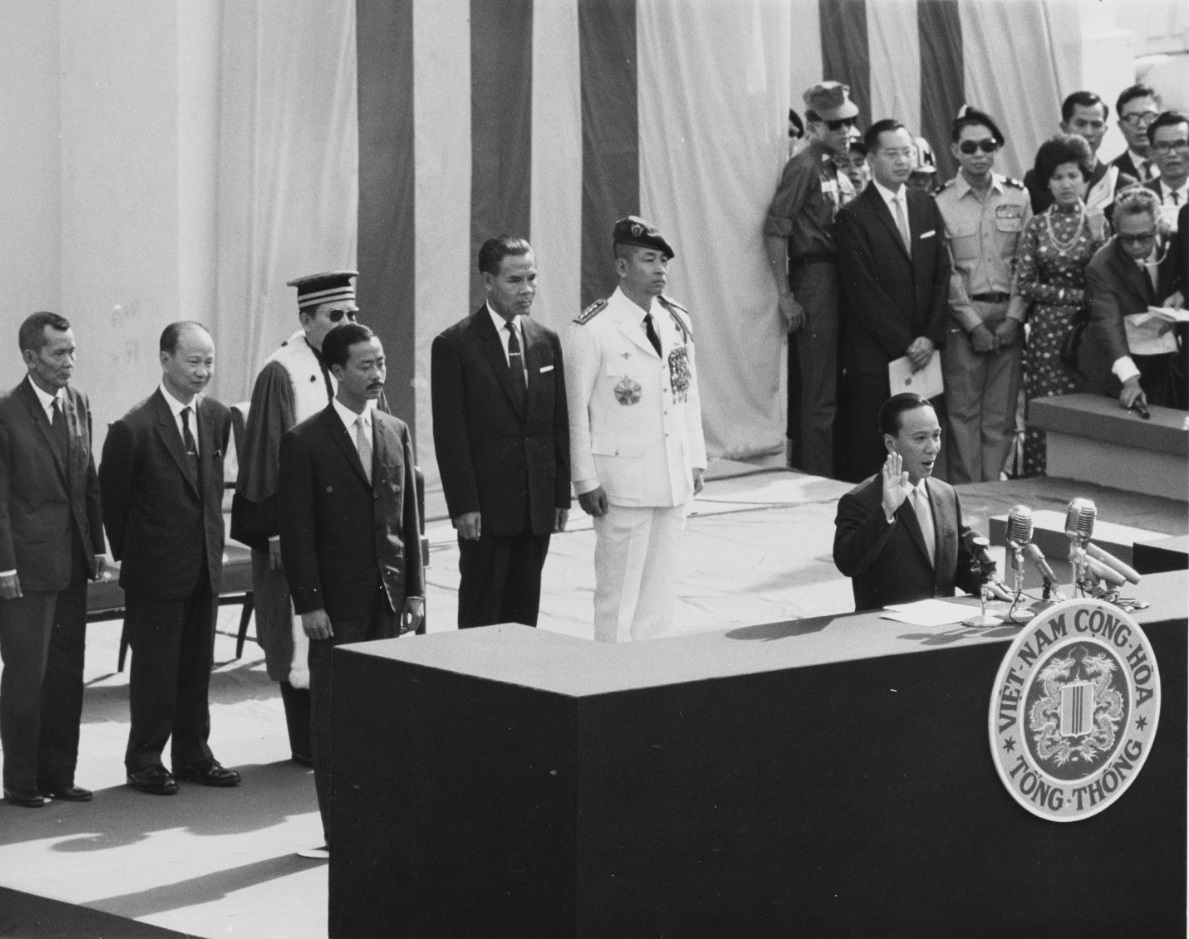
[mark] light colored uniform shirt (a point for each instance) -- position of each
(983, 233)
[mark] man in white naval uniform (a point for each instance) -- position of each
(293, 384)
(637, 452)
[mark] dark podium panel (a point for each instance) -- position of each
(824, 777)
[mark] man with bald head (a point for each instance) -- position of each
(161, 478)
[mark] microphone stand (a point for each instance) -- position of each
(1015, 614)
(1077, 560)
(984, 620)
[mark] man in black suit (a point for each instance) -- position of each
(1168, 135)
(502, 436)
(1126, 276)
(350, 541)
(899, 535)
(895, 272)
(162, 481)
(51, 541)
(1137, 107)
(1085, 114)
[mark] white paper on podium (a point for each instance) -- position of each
(927, 613)
(926, 383)
(1150, 333)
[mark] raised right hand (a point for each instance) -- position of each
(895, 484)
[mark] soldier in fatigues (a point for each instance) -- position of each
(985, 214)
(636, 447)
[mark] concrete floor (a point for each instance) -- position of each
(217, 863)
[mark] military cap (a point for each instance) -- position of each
(633, 230)
(968, 115)
(830, 101)
(328, 287)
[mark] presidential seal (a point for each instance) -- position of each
(1074, 710)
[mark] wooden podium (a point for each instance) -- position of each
(823, 777)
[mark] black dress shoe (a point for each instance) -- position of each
(209, 772)
(70, 793)
(155, 780)
(28, 800)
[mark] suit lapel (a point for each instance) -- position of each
(167, 430)
(945, 527)
(908, 518)
(37, 415)
(207, 445)
(337, 432)
(493, 348)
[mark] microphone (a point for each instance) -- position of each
(1019, 526)
(1141, 409)
(1036, 556)
(1079, 520)
(977, 545)
(1128, 573)
(1104, 572)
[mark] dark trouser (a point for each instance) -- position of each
(1161, 379)
(172, 644)
(383, 623)
(43, 639)
(500, 579)
(297, 718)
(815, 370)
(863, 448)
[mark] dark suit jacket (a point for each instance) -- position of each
(45, 499)
(496, 456)
(1180, 251)
(341, 538)
(1115, 287)
(889, 563)
(889, 299)
(160, 521)
(1127, 165)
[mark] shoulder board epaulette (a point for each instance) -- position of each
(1012, 181)
(590, 312)
(683, 323)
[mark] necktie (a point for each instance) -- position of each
(363, 443)
(902, 222)
(1145, 170)
(1175, 198)
(920, 505)
(650, 331)
(516, 361)
(58, 425)
(188, 443)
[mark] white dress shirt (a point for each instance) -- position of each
(176, 406)
(501, 331)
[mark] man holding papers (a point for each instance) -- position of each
(898, 534)
(895, 274)
(1127, 351)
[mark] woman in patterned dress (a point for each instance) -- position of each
(1051, 272)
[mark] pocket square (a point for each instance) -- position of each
(928, 234)
(546, 368)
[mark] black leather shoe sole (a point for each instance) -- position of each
(221, 777)
(66, 793)
(27, 800)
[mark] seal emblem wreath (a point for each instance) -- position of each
(1074, 710)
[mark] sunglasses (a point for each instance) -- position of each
(970, 147)
(1138, 239)
(839, 124)
(336, 316)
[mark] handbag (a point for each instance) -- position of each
(1073, 339)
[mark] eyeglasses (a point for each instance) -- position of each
(839, 124)
(970, 147)
(1168, 146)
(1138, 239)
(1139, 118)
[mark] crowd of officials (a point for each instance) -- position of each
(1006, 282)
(981, 280)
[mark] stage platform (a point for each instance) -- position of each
(220, 863)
